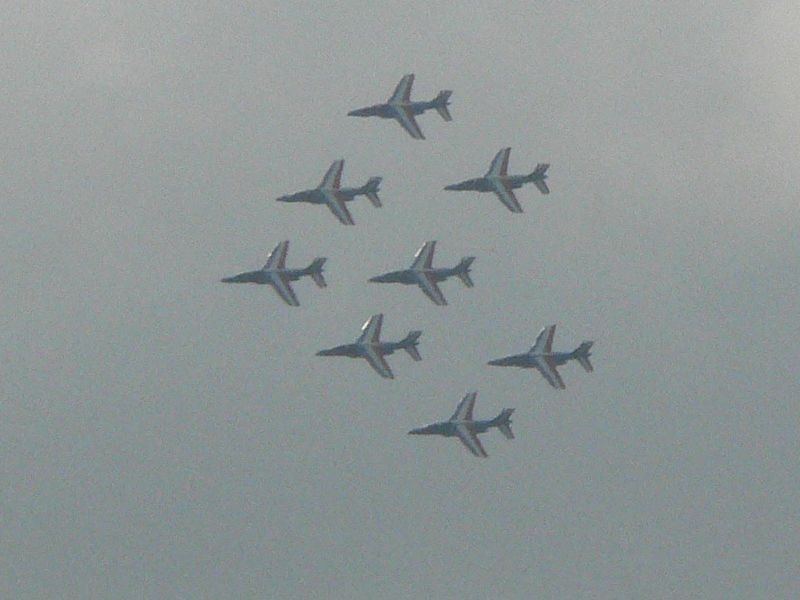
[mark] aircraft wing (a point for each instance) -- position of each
(402, 93)
(333, 177)
(428, 285)
(377, 362)
(499, 164)
(335, 202)
(277, 258)
(405, 117)
(281, 284)
(542, 185)
(506, 196)
(424, 256)
(544, 341)
(470, 439)
(547, 367)
(464, 410)
(371, 330)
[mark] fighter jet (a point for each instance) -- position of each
(330, 193)
(462, 424)
(542, 357)
(402, 109)
(421, 273)
(278, 276)
(369, 346)
(498, 180)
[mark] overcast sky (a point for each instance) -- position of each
(163, 435)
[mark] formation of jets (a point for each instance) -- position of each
(421, 273)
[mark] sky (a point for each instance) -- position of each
(163, 435)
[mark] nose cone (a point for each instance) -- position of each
(282, 199)
(376, 279)
(416, 431)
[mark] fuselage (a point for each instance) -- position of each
(357, 350)
(488, 184)
(262, 277)
(448, 428)
(411, 277)
(527, 359)
(318, 195)
(389, 110)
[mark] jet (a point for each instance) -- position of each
(542, 357)
(422, 273)
(369, 346)
(330, 193)
(462, 424)
(278, 276)
(498, 180)
(402, 109)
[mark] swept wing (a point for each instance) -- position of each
(470, 439)
(499, 164)
(544, 341)
(277, 258)
(402, 93)
(546, 365)
(428, 285)
(371, 330)
(506, 195)
(464, 409)
(280, 283)
(405, 117)
(333, 177)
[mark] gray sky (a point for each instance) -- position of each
(163, 435)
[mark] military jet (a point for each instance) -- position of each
(542, 357)
(422, 273)
(402, 109)
(498, 180)
(462, 424)
(369, 346)
(330, 193)
(278, 276)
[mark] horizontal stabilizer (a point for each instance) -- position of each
(463, 271)
(315, 270)
(586, 363)
(371, 191)
(411, 341)
(441, 102)
(503, 422)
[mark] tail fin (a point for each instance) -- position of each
(440, 104)
(315, 270)
(503, 423)
(371, 190)
(582, 355)
(410, 344)
(540, 170)
(462, 270)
